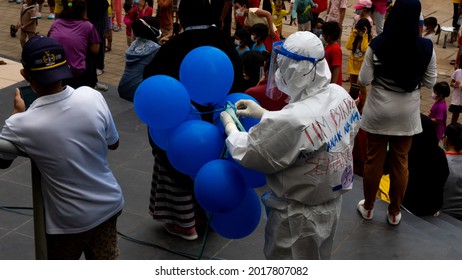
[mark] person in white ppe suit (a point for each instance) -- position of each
(305, 150)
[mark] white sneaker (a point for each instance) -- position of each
(51, 16)
(39, 15)
(394, 219)
(366, 214)
(102, 87)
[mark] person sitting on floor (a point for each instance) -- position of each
(139, 54)
(452, 192)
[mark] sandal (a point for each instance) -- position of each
(13, 30)
(108, 49)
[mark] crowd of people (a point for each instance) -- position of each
(297, 83)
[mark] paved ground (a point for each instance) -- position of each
(132, 163)
(115, 60)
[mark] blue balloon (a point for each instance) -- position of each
(246, 122)
(208, 74)
(160, 136)
(161, 102)
(235, 97)
(252, 178)
(219, 186)
(192, 144)
(241, 221)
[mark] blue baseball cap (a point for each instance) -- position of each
(45, 60)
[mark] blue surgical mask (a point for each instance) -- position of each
(317, 31)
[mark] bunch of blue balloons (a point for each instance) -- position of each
(195, 147)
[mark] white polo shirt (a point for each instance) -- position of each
(67, 135)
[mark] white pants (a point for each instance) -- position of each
(297, 231)
(378, 19)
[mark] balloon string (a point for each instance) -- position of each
(231, 110)
(209, 112)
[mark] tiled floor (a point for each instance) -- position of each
(132, 163)
(9, 73)
(115, 59)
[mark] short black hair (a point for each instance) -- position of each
(260, 30)
(242, 2)
(189, 10)
(442, 88)
(331, 29)
(318, 20)
(244, 35)
(75, 11)
(431, 21)
(453, 132)
(252, 61)
(150, 32)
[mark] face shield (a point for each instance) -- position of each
(289, 72)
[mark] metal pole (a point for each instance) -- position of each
(39, 214)
(7, 147)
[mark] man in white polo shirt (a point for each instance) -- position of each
(67, 132)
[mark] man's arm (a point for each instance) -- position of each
(227, 5)
(335, 74)
(19, 107)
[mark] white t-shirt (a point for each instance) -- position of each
(389, 112)
(67, 135)
(452, 192)
(456, 98)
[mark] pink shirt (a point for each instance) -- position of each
(380, 6)
(439, 111)
(75, 36)
(334, 12)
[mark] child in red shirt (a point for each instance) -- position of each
(331, 34)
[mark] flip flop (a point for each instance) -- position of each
(13, 30)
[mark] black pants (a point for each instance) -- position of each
(455, 16)
(88, 78)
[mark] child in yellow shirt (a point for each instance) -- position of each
(278, 13)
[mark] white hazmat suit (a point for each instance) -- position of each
(305, 149)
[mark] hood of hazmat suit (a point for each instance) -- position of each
(306, 151)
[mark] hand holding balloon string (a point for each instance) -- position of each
(230, 120)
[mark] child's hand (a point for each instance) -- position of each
(456, 84)
(19, 105)
(357, 101)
